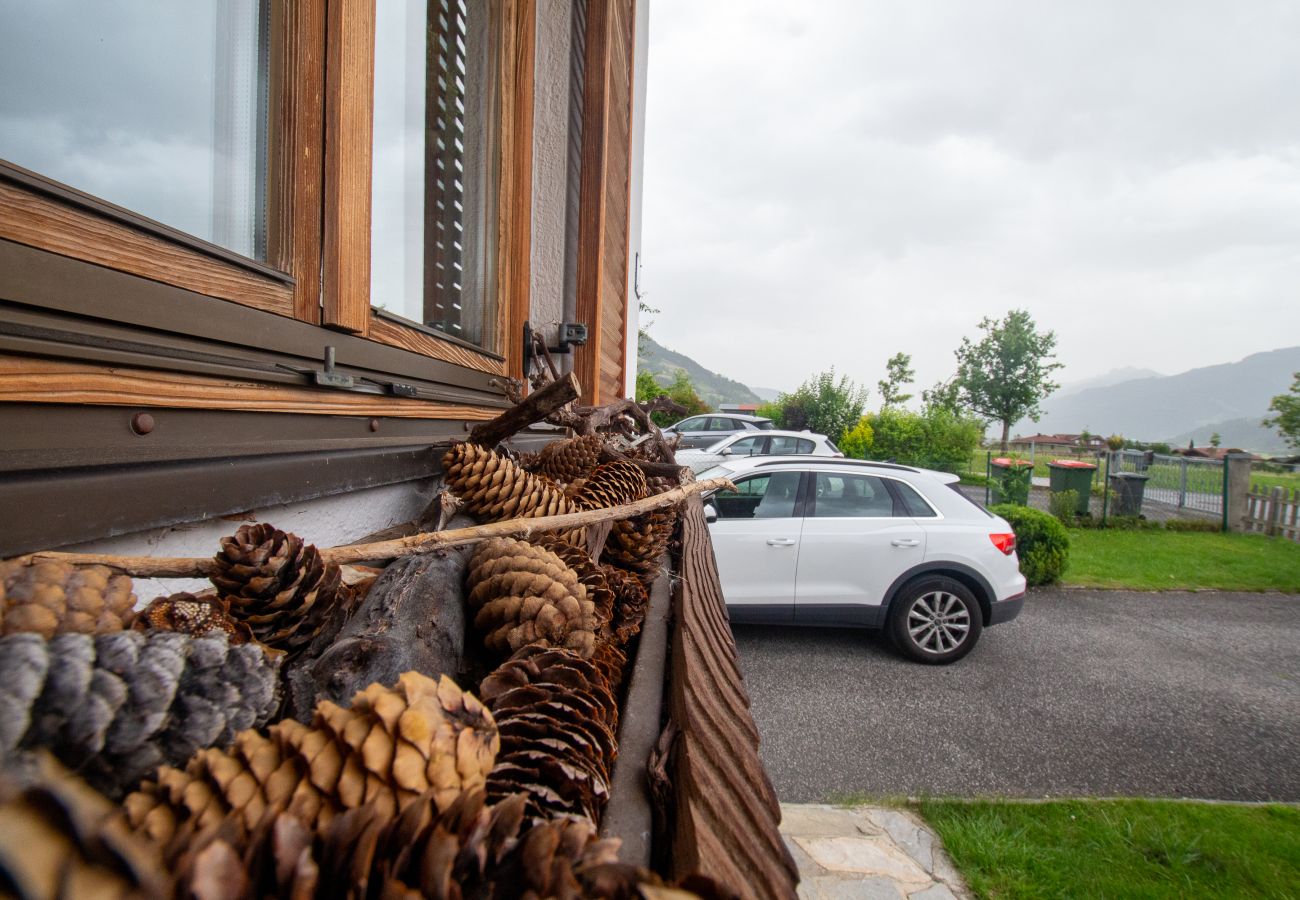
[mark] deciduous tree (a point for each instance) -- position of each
(824, 404)
(1287, 420)
(1007, 373)
(898, 372)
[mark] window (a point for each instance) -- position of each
(913, 502)
(717, 423)
(698, 423)
(852, 496)
(789, 446)
(434, 168)
(157, 107)
(770, 496)
(749, 446)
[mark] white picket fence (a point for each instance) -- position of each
(1274, 511)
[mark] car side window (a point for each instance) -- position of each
(747, 446)
(784, 446)
(915, 505)
(719, 424)
(768, 496)
(852, 497)
(696, 424)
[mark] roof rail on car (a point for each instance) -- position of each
(831, 461)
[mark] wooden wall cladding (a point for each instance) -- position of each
(604, 201)
(726, 817)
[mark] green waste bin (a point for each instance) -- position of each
(1072, 475)
(1011, 480)
(1129, 488)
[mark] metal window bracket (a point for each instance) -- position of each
(327, 377)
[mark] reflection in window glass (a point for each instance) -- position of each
(760, 497)
(156, 106)
(852, 496)
(433, 179)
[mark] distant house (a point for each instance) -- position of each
(746, 408)
(1056, 442)
(1210, 452)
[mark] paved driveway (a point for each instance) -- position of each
(1087, 693)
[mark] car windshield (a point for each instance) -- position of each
(718, 445)
(715, 472)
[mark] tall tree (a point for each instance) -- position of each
(824, 405)
(1287, 420)
(898, 372)
(1008, 372)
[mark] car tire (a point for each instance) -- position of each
(935, 620)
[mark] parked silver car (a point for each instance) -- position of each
(702, 431)
(763, 443)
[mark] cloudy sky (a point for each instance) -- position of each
(830, 182)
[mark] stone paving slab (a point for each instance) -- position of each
(869, 852)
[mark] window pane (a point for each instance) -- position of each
(761, 497)
(746, 446)
(913, 503)
(156, 106)
(852, 496)
(434, 175)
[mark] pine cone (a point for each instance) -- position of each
(392, 745)
(116, 706)
(281, 588)
(61, 839)
(200, 616)
(558, 719)
(523, 593)
(567, 460)
(51, 598)
(590, 575)
(612, 484)
(638, 544)
(630, 601)
(494, 488)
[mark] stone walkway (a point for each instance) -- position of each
(867, 852)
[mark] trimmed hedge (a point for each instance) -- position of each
(1042, 543)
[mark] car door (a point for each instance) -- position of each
(756, 544)
(856, 539)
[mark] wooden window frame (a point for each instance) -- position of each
(318, 203)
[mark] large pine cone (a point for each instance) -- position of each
(612, 484)
(566, 460)
(200, 616)
(281, 588)
(494, 488)
(58, 838)
(116, 706)
(468, 849)
(51, 598)
(590, 575)
(391, 746)
(638, 544)
(558, 719)
(630, 601)
(523, 593)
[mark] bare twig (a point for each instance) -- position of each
(202, 567)
(535, 407)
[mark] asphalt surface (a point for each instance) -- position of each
(1087, 693)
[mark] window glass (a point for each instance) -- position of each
(434, 174)
(789, 446)
(764, 426)
(719, 424)
(913, 502)
(747, 446)
(852, 496)
(769, 496)
(156, 106)
(695, 424)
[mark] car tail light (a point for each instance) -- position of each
(1005, 542)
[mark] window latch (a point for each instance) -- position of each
(327, 377)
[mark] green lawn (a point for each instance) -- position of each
(1167, 560)
(1120, 848)
(1269, 480)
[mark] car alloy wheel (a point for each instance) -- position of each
(935, 620)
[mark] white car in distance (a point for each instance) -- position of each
(841, 542)
(764, 443)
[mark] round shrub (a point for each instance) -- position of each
(1042, 542)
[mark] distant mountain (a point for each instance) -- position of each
(714, 389)
(1114, 376)
(1244, 434)
(1157, 408)
(766, 394)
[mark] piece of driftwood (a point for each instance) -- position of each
(413, 618)
(202, 567)
(653, 469)
(534, 408)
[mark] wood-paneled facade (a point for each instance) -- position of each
(106, 314)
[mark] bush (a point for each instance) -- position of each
(935, 439)
(1064, 505)
(1011, 485)
(1042, 543)
(823, 404)
(680, 391)
(856, 442)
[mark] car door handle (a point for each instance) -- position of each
(905, 542)
(780, 542)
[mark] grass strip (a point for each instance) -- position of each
(1165, 560)
(1120, 848)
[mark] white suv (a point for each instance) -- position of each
(838, 542)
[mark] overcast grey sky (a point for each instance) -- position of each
(833, 181)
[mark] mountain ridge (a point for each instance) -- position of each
(714, 389)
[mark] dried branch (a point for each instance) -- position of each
(165, 567)
(534, 408)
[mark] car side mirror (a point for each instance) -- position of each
(725, 451)
(710, 513)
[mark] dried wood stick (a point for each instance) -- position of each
(201, 567)
(534, 408)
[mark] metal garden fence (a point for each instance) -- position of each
(1176, 486)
